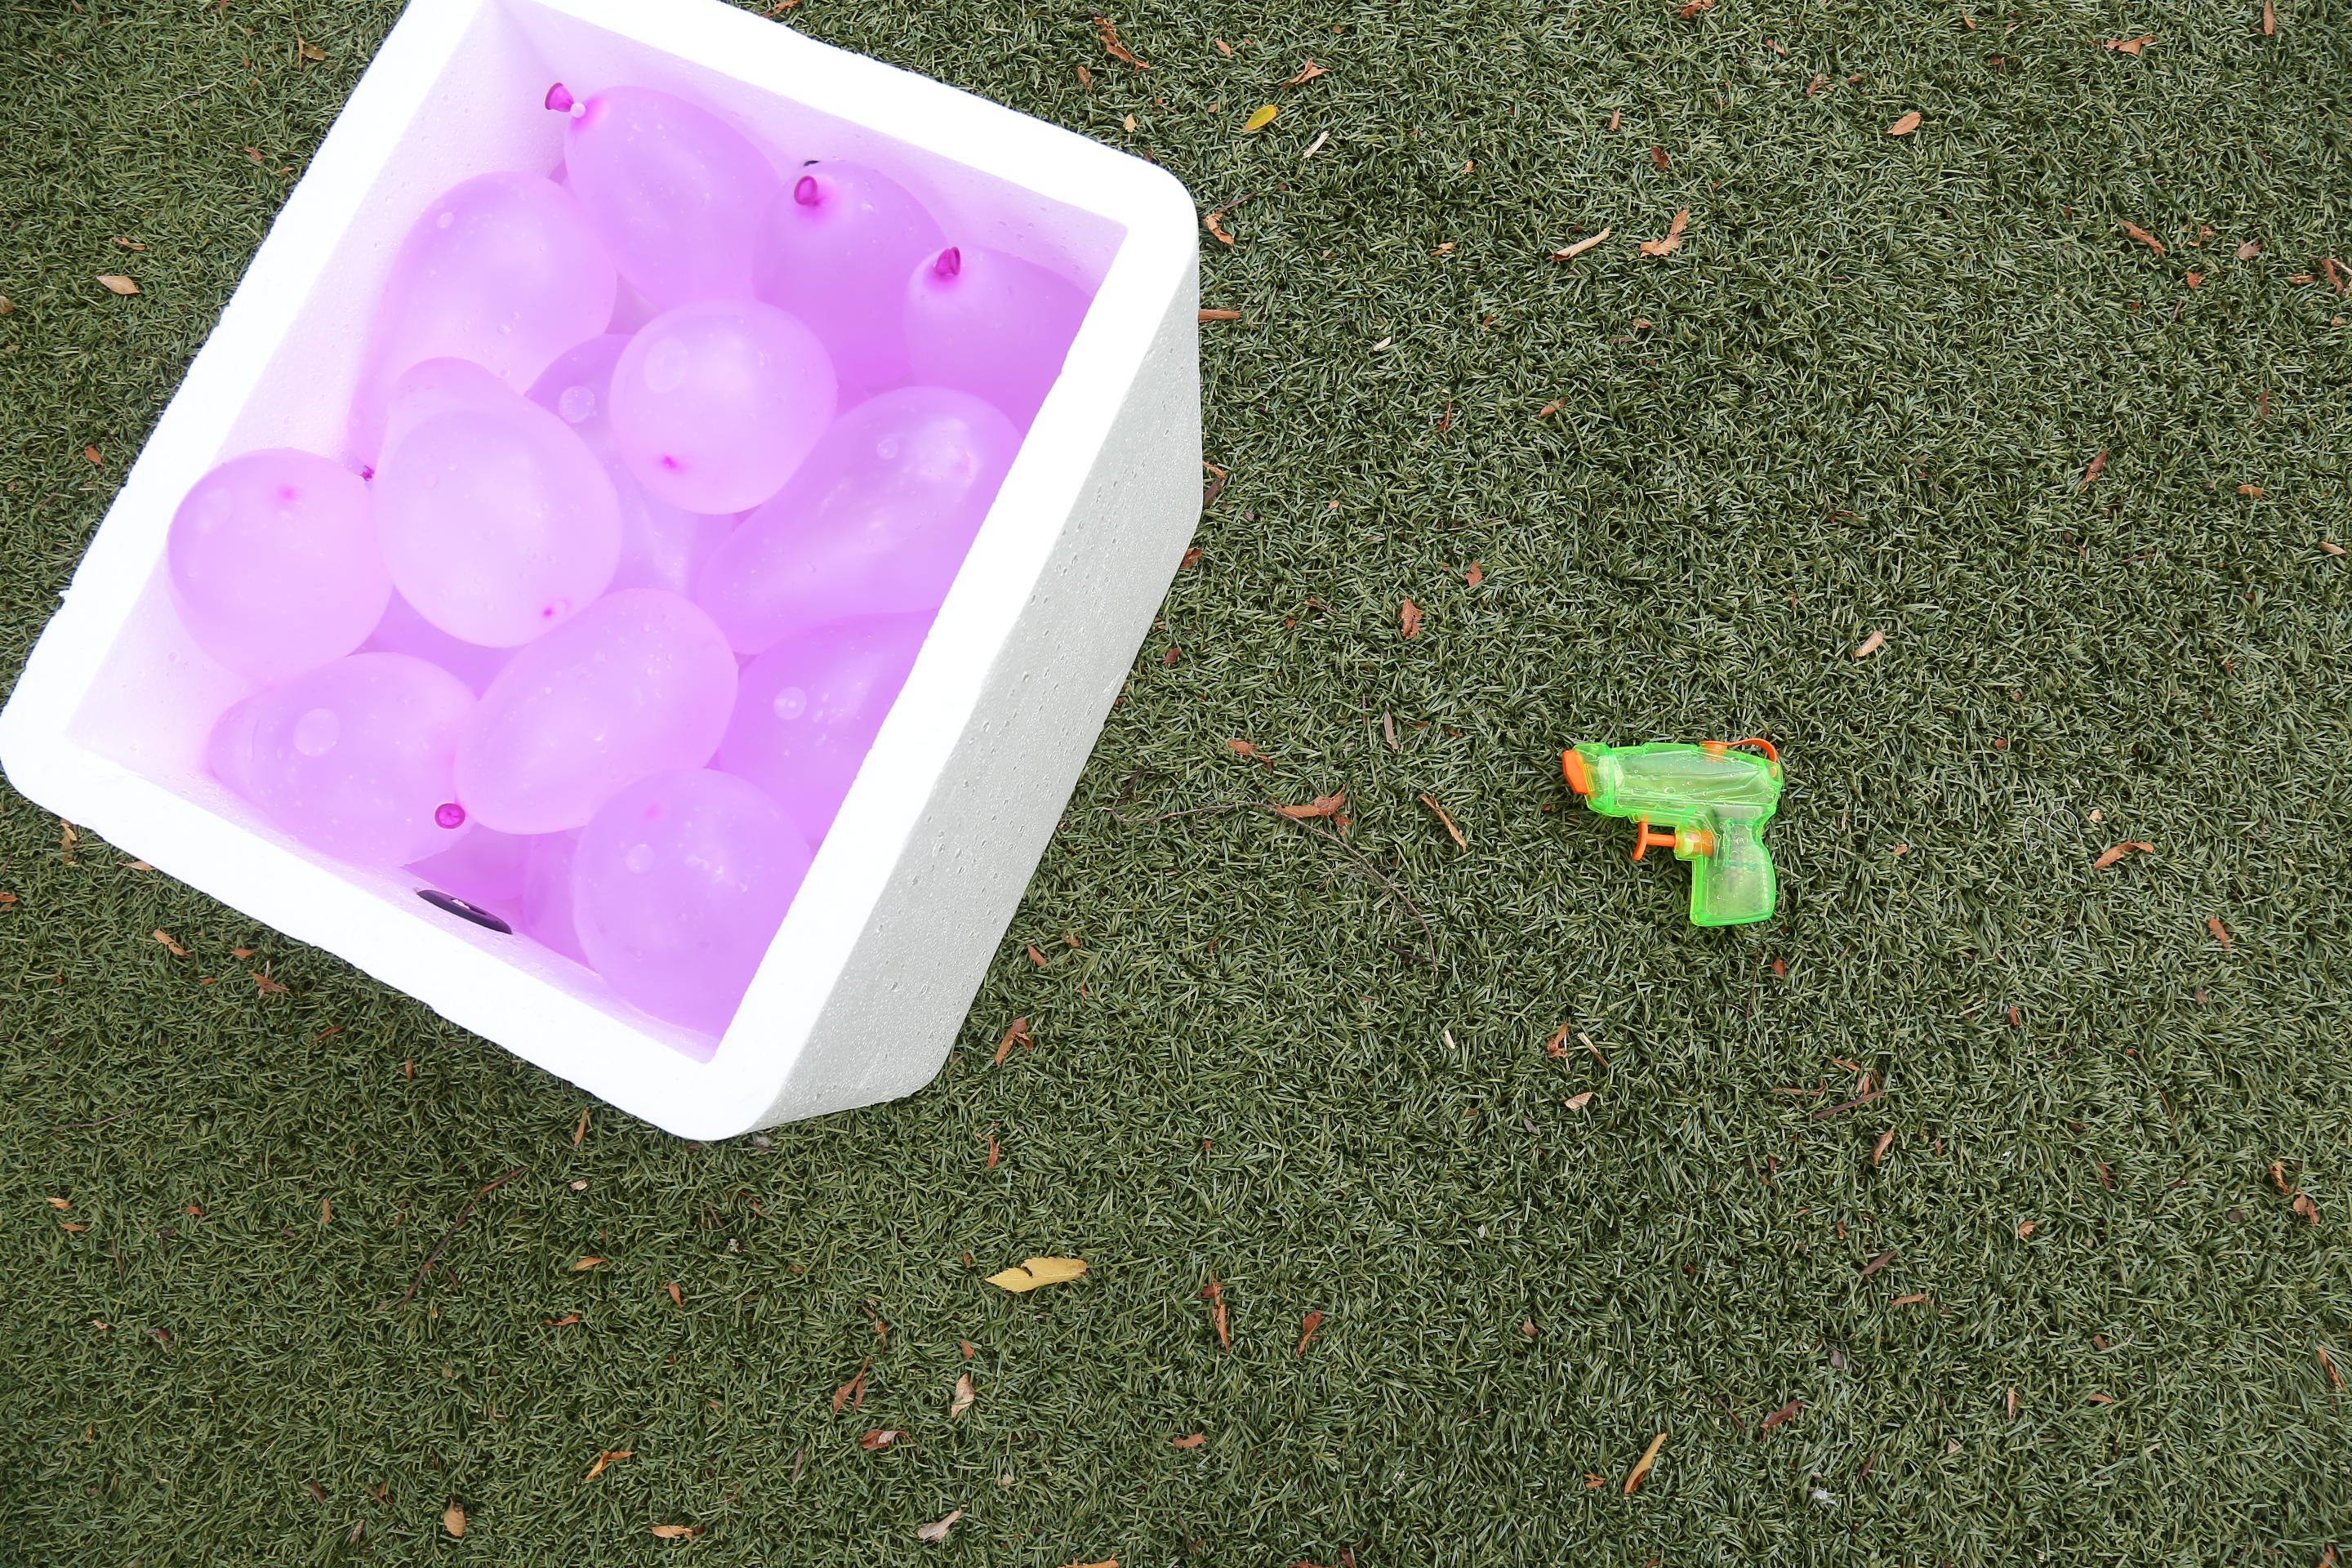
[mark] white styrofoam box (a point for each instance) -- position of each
(877, 963)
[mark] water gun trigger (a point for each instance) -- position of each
(1643, 839)
(1689, 843)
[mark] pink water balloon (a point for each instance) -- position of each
(353, 758)
(547, 894)
(662, 546)
(505, 271)
(836, 249)
(715, 405)
(806, 712)
(677, 888)
(877, 520)
(640, 682)
(675, 192)
(273, 563)
(402, 631)
(991, 324)
(498, 523)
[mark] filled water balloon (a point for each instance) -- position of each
(836, 249)
(495, 520)
(505, 271)
(547, 894)
(715, 405)
(402, 631)
(640, 682)
(677, 888)
(991, 324)
(675, 192)
(877, 520)
(806, 711)
(353, 758)
(273, 563)
(662, 546)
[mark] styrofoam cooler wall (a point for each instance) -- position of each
(910, 892)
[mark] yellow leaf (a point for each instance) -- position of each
(1641, 1469)
(119, 284)
(1579, 1101)
(1905, 126)
(166, 938)
(1262, 119)
(453, 1519)
(1038, 1271)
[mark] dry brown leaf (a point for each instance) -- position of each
(1018, 1032)
(564, 1321)
(586, 1263)
(2253, 490)
(1215, 1295)
(166, 938)
(675, 1299)
(1221, 315)
(1879, 1152)
(1692, 8)
(1192, 559)
(2193, 278)
(962, 1400)
(59, 1204)
(1223, 47)
(2249, 250)
(1594, 1483)
(853, 1392)
(937, 1528)
(77, 1229)
(2130, 45)
(1877, 1263)
(268, 987)
(2092, 472)
(2115, 852)
(308, 51)
(1242, 748)
(2334, 276)
(1409, 618)
(453, 1519)
(1105, 1562)
(676, 1531)
(1658, 156)
(2328, 1364)
(1614, 116)
(1557, 1046)
(881, 1438)
(1307, 73)
(2220, 933)
(1870, 645)
(1642, 1467)
(1210, 223)
(1194, 1441)
(608, 1456)
(1321, 805)
(1908, 1300)
(1459, 842)
(1087, 80)
(2305, 1207)
(1554, 406)
(2328, 545)
(1572, 252)
(2100, 1398)
(118, 283)
(1579, 1101)
(1112, 45)
(1905, 126)
(1308, 1325)
(1038, 1271)
(2142, 235)
(1476, 575)
(1786, 1412)
(1674, 239)
(968, 1349)
(2028, 1228)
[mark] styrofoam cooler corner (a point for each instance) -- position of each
(866, 986)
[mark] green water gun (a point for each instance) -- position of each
(1713, 802)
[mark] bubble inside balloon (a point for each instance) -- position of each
(715, 405)
(641, 682)
(496, 521)
(675, 192)
(273, 563)
(877, 520)
(353, 758)
(677, 888)
(662, 546)
(834, 250)
(806, 711)
(504, 270)
(991, 324)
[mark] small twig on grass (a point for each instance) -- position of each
(101, 1120)
(464, 1215)
(1363, 863)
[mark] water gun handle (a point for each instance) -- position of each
(1734, 884)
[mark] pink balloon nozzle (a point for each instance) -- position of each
(949, 263)
(807, 193)
(559, 98)
(449, 814)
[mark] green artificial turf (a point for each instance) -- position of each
(1870, 386)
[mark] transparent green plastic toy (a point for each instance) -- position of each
(1715, 800)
